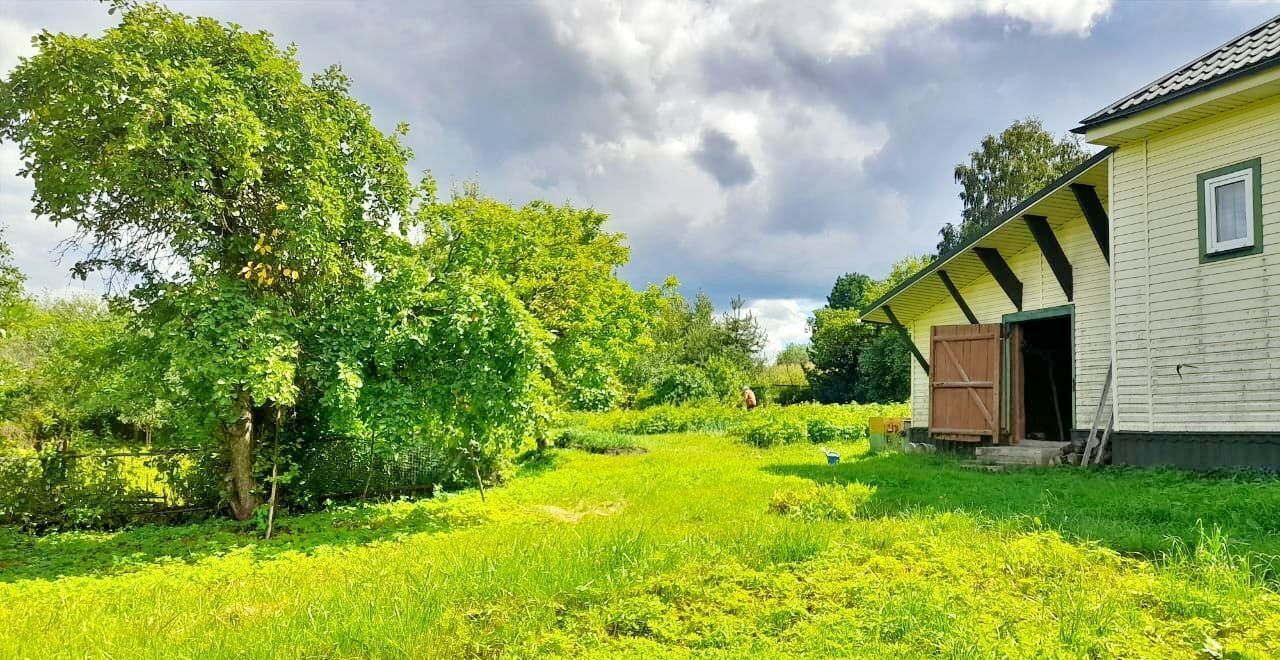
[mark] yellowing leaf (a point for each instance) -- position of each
(280, 206)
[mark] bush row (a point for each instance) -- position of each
(763, 427)
(595, 441)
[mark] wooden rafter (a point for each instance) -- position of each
(1095, 215)
(955, 294)
(906, 337)
(1002, 273)
(1052, 251)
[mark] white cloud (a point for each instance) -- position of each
(15, 42)
(651, 39)
(846, 115)
(784, 319)
(32, 240)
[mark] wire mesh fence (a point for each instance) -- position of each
(109, 489)
(96, 489)
(347, 470)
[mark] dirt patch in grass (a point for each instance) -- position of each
(579, 512)
(619, 451)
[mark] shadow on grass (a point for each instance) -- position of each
(27, 556)
(1133, 511)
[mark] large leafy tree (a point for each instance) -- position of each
(237, 198)
(849, 291)
(1005, 169)
(694, 353)
(853, 360)
(837, 340)
(562, 267)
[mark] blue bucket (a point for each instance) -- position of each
(833, 458)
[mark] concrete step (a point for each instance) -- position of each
(1024, 453)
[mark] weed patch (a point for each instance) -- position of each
(763, 427)
(822, 502)
(598, 442)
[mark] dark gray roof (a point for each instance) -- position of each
(1256, 49)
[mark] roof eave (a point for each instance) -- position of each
(1097, 119)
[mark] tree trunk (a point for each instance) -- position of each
(238, 435)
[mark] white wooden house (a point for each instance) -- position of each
(1158, 258)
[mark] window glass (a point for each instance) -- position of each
(1229, 211)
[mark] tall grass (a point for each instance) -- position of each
(765, 426)
(676, 552)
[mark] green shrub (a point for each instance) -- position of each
(682, 383)
(599, 442)
(771, 432)
(766, 426)
(787, 395)
(822, 502)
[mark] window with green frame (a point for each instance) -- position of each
(1230, 211)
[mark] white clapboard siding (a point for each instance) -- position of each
(1040, 290)
(1197, 345)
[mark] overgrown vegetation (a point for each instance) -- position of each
(596, 442)
(677, 552)
(763, 427)
(693, 355)
(854, 361)
(280, 287)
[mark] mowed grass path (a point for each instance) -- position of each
(675, 553)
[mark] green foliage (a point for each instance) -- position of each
(822, 501)
(242, 201)
(850, 292)
(898, 273)
(50, 490)
(682, 383)
(884, 369)
(793, 354)
(10, 285)
(687, 339)
(452, 364)
(289, 285)
(597, 442)
(1004, 170)
(60, 361)
(341, 469)
(853, 361)
(772, 430)
(766, 426)
(838, 338)
(562, 267)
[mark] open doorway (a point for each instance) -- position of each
(1041, 382)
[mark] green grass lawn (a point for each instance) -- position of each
(676, 552)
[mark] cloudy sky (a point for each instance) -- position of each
(749, 148)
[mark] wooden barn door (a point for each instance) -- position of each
(964, 382)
